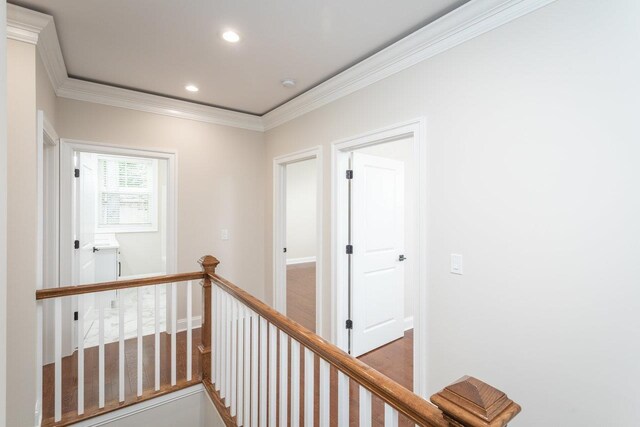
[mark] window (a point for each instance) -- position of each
(127, 194)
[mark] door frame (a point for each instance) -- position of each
(280, 229)
(67, 214)
(340, 151)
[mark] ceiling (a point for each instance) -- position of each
(159, 46)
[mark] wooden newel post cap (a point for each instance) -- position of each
(208, 264)
(470, 402)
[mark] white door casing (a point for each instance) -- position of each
(377, 236)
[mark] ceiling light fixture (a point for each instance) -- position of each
(231, 36)
(191, 88)
(288, 83)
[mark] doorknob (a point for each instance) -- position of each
(402, 258)
(95, 249)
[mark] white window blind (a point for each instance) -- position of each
(127, 199)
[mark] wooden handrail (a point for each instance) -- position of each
(66, 291)
(403, 400)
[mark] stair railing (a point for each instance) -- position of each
(260, 370)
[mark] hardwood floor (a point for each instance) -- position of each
(301, 294)
(394, 360)
(70, 374)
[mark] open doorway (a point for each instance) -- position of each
(298, 237)
(379, 252)
(117, 217)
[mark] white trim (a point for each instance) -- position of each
(3, 219)
(279, 229)
(303, 260)
(25, 25)
(117, 97)
(111, 417)
(67, 147)
(408, 323)
(181, 324)
(462, 24)
(339, 158)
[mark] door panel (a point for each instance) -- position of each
(377, 227)
(86, 201)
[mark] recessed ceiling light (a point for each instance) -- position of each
(191, 88)
(231, 36)
(288, 83)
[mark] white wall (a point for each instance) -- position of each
(301, 210)
(3, 212)
(533, 171)
(21, 232)
(402, 150)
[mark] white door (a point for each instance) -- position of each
(86, 200)
(377, 237)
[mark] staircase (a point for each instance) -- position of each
(259, 367)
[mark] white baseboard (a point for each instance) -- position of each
(119, 414)
(408, 323)
(293, 261)
(196, 322)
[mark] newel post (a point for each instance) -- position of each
(208, 264)
(470, 402)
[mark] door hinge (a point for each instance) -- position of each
(349, 249)
(349, 324)
(349, 174)
(75, 315)
(76, 173)
(76, 244)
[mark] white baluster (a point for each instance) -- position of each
(139, 338)
(295, 383)
(189, 326)
(284, 377)
(227, 374)
(234, 355)
(156, 303)
(212, 322)
(255, 341)
(240, 375)
(309, 390)
(247, 365)
(343, 399)
(174, 330)
(324, 392)
(263, 371)
(390, 416)
(218, 343)
(120, 346)
(58, 358)
(365, 407)
(273, 380)
(80, 339)
(99, 302)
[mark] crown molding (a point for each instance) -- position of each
(81, 90)
(462, 24)
(25, 25)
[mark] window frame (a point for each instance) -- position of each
(153, 205)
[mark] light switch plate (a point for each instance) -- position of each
(456, 264)
(224, 234)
